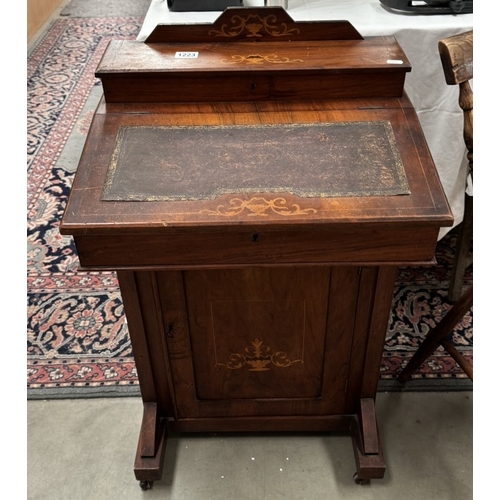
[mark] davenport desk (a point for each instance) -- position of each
(256, 183)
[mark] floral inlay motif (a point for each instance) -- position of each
(258, 206)
(255, 26)
(258, 357)
(258, 59)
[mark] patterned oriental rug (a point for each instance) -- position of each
(78, 343)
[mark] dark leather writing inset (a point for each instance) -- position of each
(204, 162)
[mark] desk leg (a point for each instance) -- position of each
(150, 454)
(138, 291)
(368, 453)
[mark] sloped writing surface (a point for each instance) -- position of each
(188, 163)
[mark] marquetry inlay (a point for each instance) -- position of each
(259, 59)
(258, 205)
(254, 26)
(259, 357)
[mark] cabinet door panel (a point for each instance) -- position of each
(258, 333)
(262, 341)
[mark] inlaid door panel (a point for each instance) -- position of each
(258, 332)
(260, 341)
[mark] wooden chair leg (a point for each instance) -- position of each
(438, 334)
(463, 258)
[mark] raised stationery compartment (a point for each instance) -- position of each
(257, 54)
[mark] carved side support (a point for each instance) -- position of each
(137, 289)
(368, 453)
(150, 454)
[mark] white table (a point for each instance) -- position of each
(436, 103)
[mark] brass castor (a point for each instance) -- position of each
(358, 480)
(146, 485)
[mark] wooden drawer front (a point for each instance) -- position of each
(253, 246)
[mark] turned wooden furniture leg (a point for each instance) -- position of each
(368, 453)
(438, 336)
(150, 454)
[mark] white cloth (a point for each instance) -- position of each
(436, 102)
